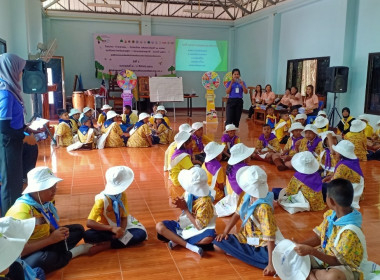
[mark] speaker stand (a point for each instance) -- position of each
(333, 111)
(37, 115)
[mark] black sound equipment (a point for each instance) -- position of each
(34, 78)
(336, 79)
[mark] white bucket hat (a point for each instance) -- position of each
(86, 109)
(106, 107)
(239, 152)
(357, 126)
(158, 116)
(14, 234)
(253, 181)
(321, 112)
(321, 122)
(73, 112)
(288, 264)
(296, 126)
(185, 127)
(346, 149)
(39, 179)
(364, 118)
(230, 127)
(305, 163)
(324, 135)
(194, 181)
(212, 150)
(197, 125)
(118, 179)
(311, 127)
(181, 137)
(111, 115)
(143, 116)
(300, 117)
(161, 108)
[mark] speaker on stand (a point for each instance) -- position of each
(336, 82)
(34, 81)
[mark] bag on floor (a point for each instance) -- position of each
(293, 203)
(227, 206)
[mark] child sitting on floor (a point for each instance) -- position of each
(141, 134)
(229, 138)
(301, 118)
(368, 131)
(128, 119)
(195, 227)
(326, 158)
(199, 141)
(312, 142)
(293, 113)
(103, 115)
(255, 241)
(114, 134)
(282, 160)
(335, 249)
(373, 145)
(160, 110)
(345, 123)
(162, 130)
(74, 118)
(64, 134)
(357, 137)
(87, 113)
(216, 176)
(110, 223)
(322, 124)
(270, 117)
(267, 145)
(282, 127)
(86, 135)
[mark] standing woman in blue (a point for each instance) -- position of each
(11, 129)
(234, 90)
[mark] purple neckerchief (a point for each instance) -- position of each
(232, 176)
(226, 138)
(266, 141)
(327, 158)
(311, 147)
(295, 141)
(352, 164)
(177, 152)
(198, 141)
(212, 166)
(313, 181)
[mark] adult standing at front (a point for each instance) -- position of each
(11, 129)
(235, 89)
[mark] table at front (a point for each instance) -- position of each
(189, 99)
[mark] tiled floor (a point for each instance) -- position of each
(83, 174)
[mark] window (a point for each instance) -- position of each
(3, 46)
(372, 93)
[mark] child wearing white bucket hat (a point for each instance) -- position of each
(357, 137)
(229, 138)
(322, 124)
(373, 145)
(322, 114)
(103, 115)
(335, 249)
(199, 141)
(326, 158)
(74, 118)
(63, 133)
(255, 241)
(86, 135)
(312, 142)
(87, 113)
(110, 223)
(307, 180)
(160, 110)
(112, 132)
(347, 167)
(368, 131)
(267, 145)
(162, 130)
(50, 246)
(196, 225)
(301, 118)
(216, 176)
(141, 134)
(282, 160)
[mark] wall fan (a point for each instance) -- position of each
(46, 52)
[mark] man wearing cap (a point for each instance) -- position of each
(357, 137)
(74, 118)
(112, 130)
(50, 246)
(199, 141)
(103, 116)
(141, 134)
(110, 224)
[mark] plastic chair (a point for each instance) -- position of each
(320, 105)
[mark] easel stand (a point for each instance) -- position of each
(333, 111)
(37, 115)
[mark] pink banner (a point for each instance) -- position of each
(152, 56)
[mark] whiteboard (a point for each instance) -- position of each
(165, 89)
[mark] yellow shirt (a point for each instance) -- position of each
(185, 163)
(139, 138)
(360, 141)
(288, 147)
(221, 179)
(114, 139)
(65, 134)
(281, 132)
(133, 118)
(165, 134)
(205, 141)
(315, 198)
(368, 131)
(74, 126)
(303, 147)
(84, 138)
(203, 211)
(97, 211)
(344, 172)
(349, 249)
(23, 211)
(274, 143)
(264, 214)
(151, 120)
(323, 161)
(101, 119)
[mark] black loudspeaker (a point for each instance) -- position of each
(336, 79)
(34, 78)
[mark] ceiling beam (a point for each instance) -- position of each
(240, 6)
(225, 9)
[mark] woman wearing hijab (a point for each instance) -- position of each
(11, 129)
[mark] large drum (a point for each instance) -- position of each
(89, 98)
(78, 100)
